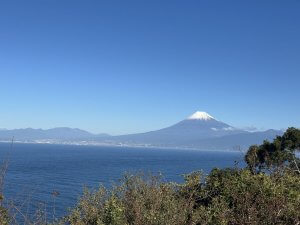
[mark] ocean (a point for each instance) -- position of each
(36, 171)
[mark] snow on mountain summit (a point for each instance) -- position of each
(200, 116)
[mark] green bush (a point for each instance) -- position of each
(4, 217)
(228, 196)
(277, 154)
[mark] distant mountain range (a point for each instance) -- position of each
(59, 133)
(199, 131)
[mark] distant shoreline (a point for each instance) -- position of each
(116, 145)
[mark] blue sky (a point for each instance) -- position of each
(132, 66)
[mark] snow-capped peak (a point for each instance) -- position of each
(200, 116)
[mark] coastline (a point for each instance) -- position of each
(101, 144)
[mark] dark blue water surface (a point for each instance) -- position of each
(36, 170)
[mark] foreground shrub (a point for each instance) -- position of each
(228, 196)
(256, 199)
(277, 154)
(4, 217)
(138, 200)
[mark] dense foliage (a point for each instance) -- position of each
(266, 192)
(230, 196)
(4, 216)
(277, 154)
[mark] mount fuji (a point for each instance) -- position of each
(199, 125)
(200, 131)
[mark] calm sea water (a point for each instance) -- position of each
(36, 170)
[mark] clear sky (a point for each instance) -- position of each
(130, 66)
